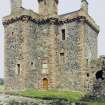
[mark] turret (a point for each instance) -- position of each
(84, 5)
(48, 7)
(16, 5)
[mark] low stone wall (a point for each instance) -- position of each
(15, 100)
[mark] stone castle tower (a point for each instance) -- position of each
(49, 51)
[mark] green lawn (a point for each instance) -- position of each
(69, 95)
(72, 96)
(96, 103)
(1, 88)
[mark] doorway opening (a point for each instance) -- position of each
(45, 84)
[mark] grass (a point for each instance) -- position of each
(96, 103)
(68, 95)
(1, 88)
(71, 96)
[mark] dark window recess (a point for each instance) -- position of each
(103, 62)
(63, 34)
(87, 61)
(45, 2)
(61, 54)
(99, 75)
(12, 33)
(32, 63)
(18, 69)
(62, 58)
(88, 75)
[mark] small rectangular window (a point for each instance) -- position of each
(61, 54)
(63, 34)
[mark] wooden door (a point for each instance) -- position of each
(45, 84)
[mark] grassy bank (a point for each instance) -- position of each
(72, 96)
(1, 88)
(68, 95)
(96, 103)
(49, 95)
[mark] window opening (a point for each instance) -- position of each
(18, 69)
(63, 34)
(88, 75)
(62, 58)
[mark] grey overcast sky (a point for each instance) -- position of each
(96, 10)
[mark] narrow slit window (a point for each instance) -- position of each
(62, 58)
(45, 2)
(63, 34)
(18, 69)
(87, 61)
(103, 62)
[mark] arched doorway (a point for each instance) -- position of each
(45, 84)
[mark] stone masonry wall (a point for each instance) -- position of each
(69, 71)
(38, 47)
(90, 46)
(90, 43)
(33, 49)
(13, 55)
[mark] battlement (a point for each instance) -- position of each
(48, 7)
(84, 5)
(16, 5)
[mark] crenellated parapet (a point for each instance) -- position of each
(47, 20)
(80, 13)
(48, 7)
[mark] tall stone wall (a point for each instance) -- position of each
(69, 71)
(32, 56)
(38, 49)
(90, 56)
(13, 54)
(90, 43)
